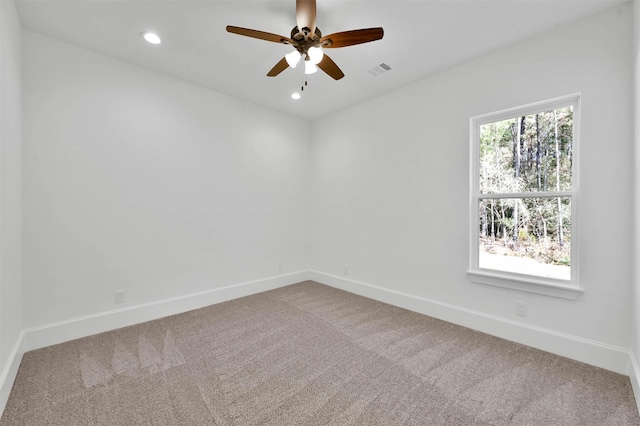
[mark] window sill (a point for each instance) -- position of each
(525, 283)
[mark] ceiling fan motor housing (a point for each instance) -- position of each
(298, 35)
(302, 41)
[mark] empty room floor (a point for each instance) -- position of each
(309, 354)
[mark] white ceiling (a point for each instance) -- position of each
(422, 37)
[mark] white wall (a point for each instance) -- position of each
(139, 182)
(390, 180)
(636, 252)
(10, 194)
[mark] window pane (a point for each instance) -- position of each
(531, 153)
(526, 235)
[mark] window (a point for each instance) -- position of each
(524, 198)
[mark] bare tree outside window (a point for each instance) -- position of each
(524, 199)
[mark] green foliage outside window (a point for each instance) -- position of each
(527, 161)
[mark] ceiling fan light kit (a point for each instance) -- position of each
(308, 42)
(310, 68)
(314, 55)
(293, 58)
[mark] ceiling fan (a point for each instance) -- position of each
(308, 42)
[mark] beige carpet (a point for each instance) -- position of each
(308, 354)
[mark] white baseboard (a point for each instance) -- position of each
(634, 377)
(10, 370)
(63, 331)
(584, 350)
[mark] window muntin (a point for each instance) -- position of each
(524, 193)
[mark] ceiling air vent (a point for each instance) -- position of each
(379, 69)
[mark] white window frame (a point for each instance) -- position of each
(566, 289)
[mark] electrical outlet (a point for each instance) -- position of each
(521, 309)
(280, 267)
(345, 270)
(119, 296)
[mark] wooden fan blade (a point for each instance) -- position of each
(259, 35)
(278, 68)
(327, 65)
(306, 15)
(349, 38)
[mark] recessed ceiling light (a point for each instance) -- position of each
(295, 95)
(151, 38)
